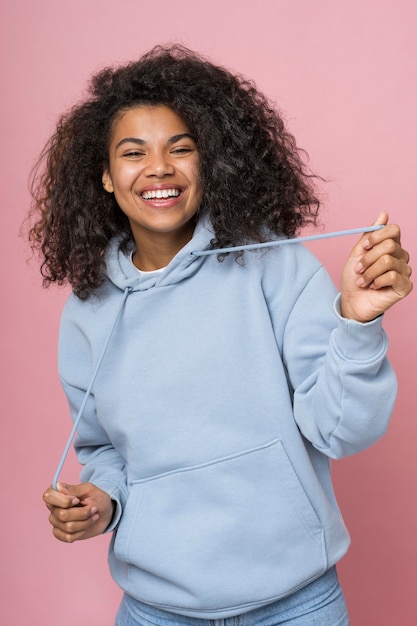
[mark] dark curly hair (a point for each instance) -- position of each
(252, 173)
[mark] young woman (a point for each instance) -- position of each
(230, 378)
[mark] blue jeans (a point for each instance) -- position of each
(320, 603)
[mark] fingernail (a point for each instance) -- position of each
(359, 268)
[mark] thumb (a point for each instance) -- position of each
(382, 219)
(365, 240)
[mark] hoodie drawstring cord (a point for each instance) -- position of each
(88, 391)
(280, 242)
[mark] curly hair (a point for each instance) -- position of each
(253, 174)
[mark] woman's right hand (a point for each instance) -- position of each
(78, 511)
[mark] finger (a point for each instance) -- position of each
(384, 257)
(66, 537)
(73, 526)
(398, 283)
(390, 231)
(73, 533)
(58, 499)
(69, 490)
(73, 521)
(74, 514)
(81, 491)
(365, 240)
(381, 220)
(384, 254)
(384, 265)
(76, 530)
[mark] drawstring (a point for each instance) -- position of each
(88, 391)
(280, 242)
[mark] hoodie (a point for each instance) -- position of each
(226, 389)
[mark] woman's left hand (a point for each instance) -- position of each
(376, 275)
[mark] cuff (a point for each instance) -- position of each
(359, 341)
(118, 495)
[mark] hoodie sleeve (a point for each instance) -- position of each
(344, 387)
(102, 464)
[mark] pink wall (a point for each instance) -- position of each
(345, 73)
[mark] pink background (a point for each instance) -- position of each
(345, 74)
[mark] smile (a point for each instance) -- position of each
(159, 194)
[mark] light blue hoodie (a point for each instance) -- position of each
(225, 390)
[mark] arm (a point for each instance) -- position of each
(86, 510)
(94, 506)
(344, 386)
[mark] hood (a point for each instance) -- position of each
(122, 273)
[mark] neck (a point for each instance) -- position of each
(156, 250)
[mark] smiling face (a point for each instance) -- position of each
(153, 172)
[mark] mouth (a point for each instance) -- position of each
(161, 194)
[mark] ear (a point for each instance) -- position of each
(107, 181)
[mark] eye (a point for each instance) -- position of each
(182, 150)
(133, 154)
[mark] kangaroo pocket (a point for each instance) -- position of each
(235, 532)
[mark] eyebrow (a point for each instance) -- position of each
(142, 142)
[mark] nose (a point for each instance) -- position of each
(159, 165)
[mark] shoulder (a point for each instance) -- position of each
(288, 271)
(293, 261)
(89, 317)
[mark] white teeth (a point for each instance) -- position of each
(160, 193)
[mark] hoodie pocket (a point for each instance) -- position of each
(230, 533)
